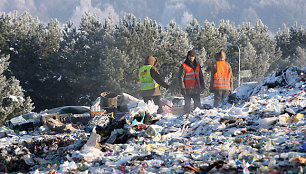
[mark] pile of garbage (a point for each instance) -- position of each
(260, 128)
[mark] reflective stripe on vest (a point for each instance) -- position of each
(222, 77)
(191, 76)
(146, 81)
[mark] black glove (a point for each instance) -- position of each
(183, 91)
(167, 87)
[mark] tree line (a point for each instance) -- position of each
(49, 66)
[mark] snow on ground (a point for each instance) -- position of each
(260, 128)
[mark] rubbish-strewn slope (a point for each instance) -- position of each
(259, 129)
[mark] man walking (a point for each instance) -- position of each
(191, 81)
(221, 83)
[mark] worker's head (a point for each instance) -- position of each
(220, 55)
(191, 55)
(150, 60)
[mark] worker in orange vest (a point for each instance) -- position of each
(192, 81)
(221, 83)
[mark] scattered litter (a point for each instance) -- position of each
(260, 128)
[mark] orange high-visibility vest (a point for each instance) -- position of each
(222, 78)
(191, 76)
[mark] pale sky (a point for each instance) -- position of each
(273, 13)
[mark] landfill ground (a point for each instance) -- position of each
(260, 128)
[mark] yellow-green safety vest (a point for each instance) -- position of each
(146, 81)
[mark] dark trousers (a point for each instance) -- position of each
(156, 100)
(219, 96)
(196, 99)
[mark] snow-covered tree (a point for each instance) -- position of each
(193, 30)
(136, 39)
(263, 44)
(114, 72)
(207, 41)
(72, 66)
(211, 40)
(292, 43)
(300, 57)
(86, 53)
(12, 99)
(249, 56)
(172, 51)
(30, 44)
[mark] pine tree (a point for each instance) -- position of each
(12, 100)
(297, 37)
(282, 39)
(114, 71)
(86, 54)
(137, 40)
(4, 33)
(29, 44)
(206, 41)
(249, 55)
(230, 35)
(50, 38)
(193, 30)
(263, 44)
(73, 66)
(81, 72)
(300, 57)
(211, 40)
(172, 52)
(292, 43)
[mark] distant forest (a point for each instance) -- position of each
(52, 65)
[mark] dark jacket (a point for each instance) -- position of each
(214, 70)
(182, 73)
(156, 76)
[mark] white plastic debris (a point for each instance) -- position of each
(261, 133)
(267, 122)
